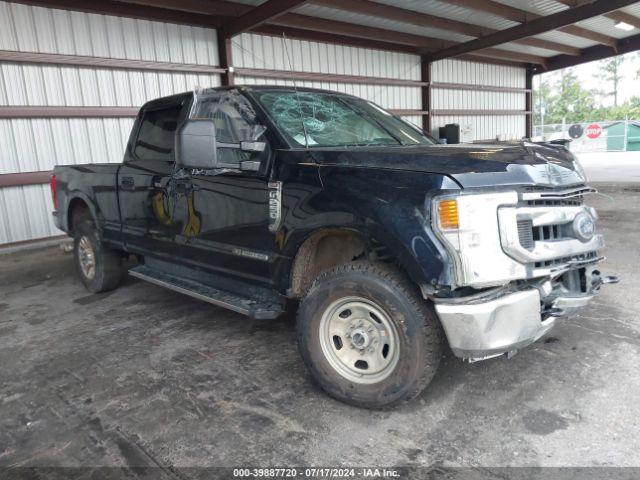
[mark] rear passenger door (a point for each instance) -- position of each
(148, 212)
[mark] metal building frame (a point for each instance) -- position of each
(279, 17)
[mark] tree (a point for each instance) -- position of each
(542, 98)
(572, 103)
(610, 72)
(563, 99)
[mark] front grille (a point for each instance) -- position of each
(536, 196)
(544, 221)
(528, 234)
(546, 232)
(525, 233)
(560, 202)
(561, 261)
(548, 197)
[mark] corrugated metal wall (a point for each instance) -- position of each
(483, 127)
(38, 144)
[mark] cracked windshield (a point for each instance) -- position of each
(321, 119)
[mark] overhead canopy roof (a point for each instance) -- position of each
(546, 34)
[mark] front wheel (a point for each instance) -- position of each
(367, 336)
(100, 268)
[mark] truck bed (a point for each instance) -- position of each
(97, 186)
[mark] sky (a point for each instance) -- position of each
(629, 87)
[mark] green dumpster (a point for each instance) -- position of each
(616, 137)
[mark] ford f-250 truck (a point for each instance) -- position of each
(254, 198)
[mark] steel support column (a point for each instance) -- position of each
(529, 102)
(425, 77)
(225, 58)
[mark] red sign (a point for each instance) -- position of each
(594, 130)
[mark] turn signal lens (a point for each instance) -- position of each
(448, 214)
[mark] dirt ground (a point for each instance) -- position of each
(142, 376)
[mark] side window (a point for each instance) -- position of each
(156, 135)
(235, 122)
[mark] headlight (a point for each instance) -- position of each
(577, 165)
(579, 168)
(468, 226)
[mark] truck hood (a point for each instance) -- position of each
(471, 165)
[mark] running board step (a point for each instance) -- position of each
(246, 306)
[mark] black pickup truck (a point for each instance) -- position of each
(255, 198)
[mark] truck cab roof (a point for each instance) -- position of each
(178, 97)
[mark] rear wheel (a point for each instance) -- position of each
(99, 267)
(367, 336)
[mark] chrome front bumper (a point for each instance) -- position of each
(488, 329)
(483, 329)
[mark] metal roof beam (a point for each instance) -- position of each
(323, 36)
(523, 16)
(305, 22)
(130, 10)
(508, 55)
(497, 9)
(374, 9)
(620, 16)
(317, 36)
(420, 19)
(590, 54)
(589, 35)
(268, 11)
(535, 27)
(218, 8)
(421, 43)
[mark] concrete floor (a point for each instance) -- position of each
(611, 167)
(144, 376)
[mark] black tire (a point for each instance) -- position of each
(108, 269)
(419, 333)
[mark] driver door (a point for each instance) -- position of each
(228, 211)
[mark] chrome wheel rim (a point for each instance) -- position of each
(359, 340)
(87, 258)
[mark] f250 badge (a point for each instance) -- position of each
(275, 206)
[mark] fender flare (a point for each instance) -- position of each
(77, 194)
(380, 234)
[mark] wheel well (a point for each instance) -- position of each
(323, 250)
(77, 208)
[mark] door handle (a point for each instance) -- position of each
(127, 183)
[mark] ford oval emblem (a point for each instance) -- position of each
(584, 227)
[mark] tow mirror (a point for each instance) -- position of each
(196, 145)
(250, 166)
(253, 146)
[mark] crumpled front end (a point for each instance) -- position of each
(532, 255)
(504, 321)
